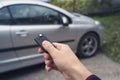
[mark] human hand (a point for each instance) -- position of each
(62, 59)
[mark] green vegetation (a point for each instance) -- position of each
(98, 5)
(112, 35)
(83, 6)
(71, 5)
(67, 4)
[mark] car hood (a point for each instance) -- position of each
(81, 19)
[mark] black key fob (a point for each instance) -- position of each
(40, 39)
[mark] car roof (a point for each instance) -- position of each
(19, 0)
(11, 2)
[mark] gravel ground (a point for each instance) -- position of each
(104, 67)
(99, 64)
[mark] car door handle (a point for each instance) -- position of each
(22, 33)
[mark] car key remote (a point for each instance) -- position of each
(39, 41)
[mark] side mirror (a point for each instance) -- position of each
(65, 21)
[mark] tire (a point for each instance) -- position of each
(88, 45)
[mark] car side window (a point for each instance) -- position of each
(34, 14)
(4, 17)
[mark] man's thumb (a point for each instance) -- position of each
(49, 47)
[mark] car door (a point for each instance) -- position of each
(8, 58)
(31, 20)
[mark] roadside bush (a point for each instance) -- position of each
(97, 6)
(71, 5)
(67, 4)
(112, 35)
(86, 6)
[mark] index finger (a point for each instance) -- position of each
(40, 51)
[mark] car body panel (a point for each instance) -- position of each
(8, 58)
(54, 32)
(19, 48)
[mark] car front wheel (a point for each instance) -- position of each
(88, 45)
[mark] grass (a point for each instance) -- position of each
(112, 35)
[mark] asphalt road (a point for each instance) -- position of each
(99, 64)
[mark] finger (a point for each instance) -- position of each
(48, 68)
(50, 48)
(49, 63)
(40, 51)
(47, 56)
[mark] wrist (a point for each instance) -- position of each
(93, 77)
(79, 72)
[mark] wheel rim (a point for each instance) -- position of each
(89, 45)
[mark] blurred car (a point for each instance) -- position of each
(22, 20)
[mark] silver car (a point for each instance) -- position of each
(22, 20)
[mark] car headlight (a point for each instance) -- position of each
(97, 22)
